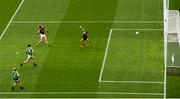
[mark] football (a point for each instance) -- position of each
(137, 32)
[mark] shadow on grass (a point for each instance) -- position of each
(173, 71)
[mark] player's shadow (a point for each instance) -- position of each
(173, 71)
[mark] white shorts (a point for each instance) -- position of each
(42, 36)
(29, 57)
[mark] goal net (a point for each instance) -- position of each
(173, 25)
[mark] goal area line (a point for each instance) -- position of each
(92, 21)
(79, 93)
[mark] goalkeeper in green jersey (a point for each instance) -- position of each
(29, 52)
(15, 77)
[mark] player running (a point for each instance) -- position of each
(41, 32)
(29, 52)
(15, 77)
(84, 37)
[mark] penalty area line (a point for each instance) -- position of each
(11, 19)
(105, 93)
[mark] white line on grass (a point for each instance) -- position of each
(57, 22)
(172, 41)
(105, 55)
(174, 66)
(11, 19)
(138, 29)
(110, 93)
(140, 82)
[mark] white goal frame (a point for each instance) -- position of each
(171, 26)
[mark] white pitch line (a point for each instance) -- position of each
(139, 82)
(58, 22)
(172, 41)
(105, 55)
(110, 93)
(11, 19)
(174, 66)
(138, 29)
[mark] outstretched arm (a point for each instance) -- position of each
(82, 28)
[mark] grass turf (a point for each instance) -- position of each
(64, 67)
(7, 9)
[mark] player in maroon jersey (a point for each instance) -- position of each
(84, 38)
(41, 32)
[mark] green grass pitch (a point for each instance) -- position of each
(120, 64)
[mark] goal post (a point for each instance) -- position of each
(165, 18)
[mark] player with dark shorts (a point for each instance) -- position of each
(15, 77)
(41, 33)
(84, 37)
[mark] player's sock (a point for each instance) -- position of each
(83, 45)
(12, 88)
(21, 87)
(21, 64)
